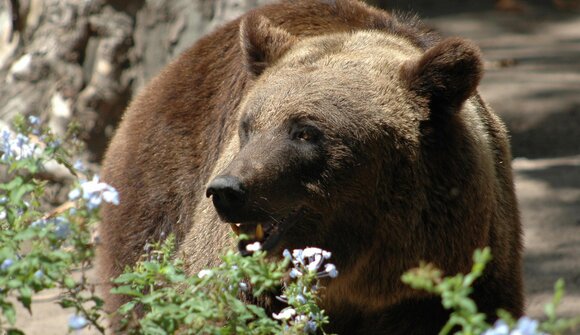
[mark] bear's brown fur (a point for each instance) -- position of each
(362, 134)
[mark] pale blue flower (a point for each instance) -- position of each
(6, 147)
(243, 287)
(77, 322)
(41, 223)
(94, 201)
(301, 299)
(526, 326)
(18, 147)
(330, 269)
(499, 328)
(39, 274)
(55, 144)
(286, 253)
(62, 227)
(94, 193)
(310, 327)
(78, 165)
(295, 273)
(310, 260)
(2, 215)
(111, 196)
(74, 194)
(297, 257)
(34, 120)
(6, 264)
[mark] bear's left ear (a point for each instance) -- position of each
(446, 75)
(262, 43)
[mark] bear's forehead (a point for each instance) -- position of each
(328, 75)
(355, 51)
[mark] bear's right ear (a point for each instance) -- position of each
(262, 43)
(446, 75)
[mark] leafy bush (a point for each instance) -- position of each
(39, 251)
(210, 303)
(44, 248)
(455, 290)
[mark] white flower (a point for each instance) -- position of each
(294, 273)
(76, 322)
(94, 193)
(18, 147)
(254, 246)
(499, 328)
(526, 326)
(285, 314)
(78, 165)
(74, 194)
(204, 273)
(330, 269)
(34, 120)
(309, 252)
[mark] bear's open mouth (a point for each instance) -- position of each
(268, 233)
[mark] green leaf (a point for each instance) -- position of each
(126, 308)
(9, 313)
(127, 290)
(14, 283)
(25, 297)
(14, 183)
(17, 194)
(69, 283)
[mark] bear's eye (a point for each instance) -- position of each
(305, 133)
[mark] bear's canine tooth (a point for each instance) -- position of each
(235, 228)
(259, 232)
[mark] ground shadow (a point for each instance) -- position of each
(556, 135)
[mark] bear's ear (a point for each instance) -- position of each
(262, 43)
(446, 75)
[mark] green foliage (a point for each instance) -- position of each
(455, 295)
(44, 249)
(40, 251)
(454, 292)
(553, 324)
(210, 302)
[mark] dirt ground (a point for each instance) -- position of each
(533, 81)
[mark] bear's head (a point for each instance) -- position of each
(337, 135)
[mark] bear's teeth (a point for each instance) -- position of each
(235, 228)
(259, 232)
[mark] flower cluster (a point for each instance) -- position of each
(310, 259)
(94, 193)
(60, 225)
(17, 147)
(308, 267)
(524, 326)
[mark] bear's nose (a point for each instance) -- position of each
(228, 196)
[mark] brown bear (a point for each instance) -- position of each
(328, 124)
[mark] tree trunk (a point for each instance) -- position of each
(82, 61)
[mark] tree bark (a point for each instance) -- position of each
(82, 61)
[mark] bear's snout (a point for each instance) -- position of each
(228, 196)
